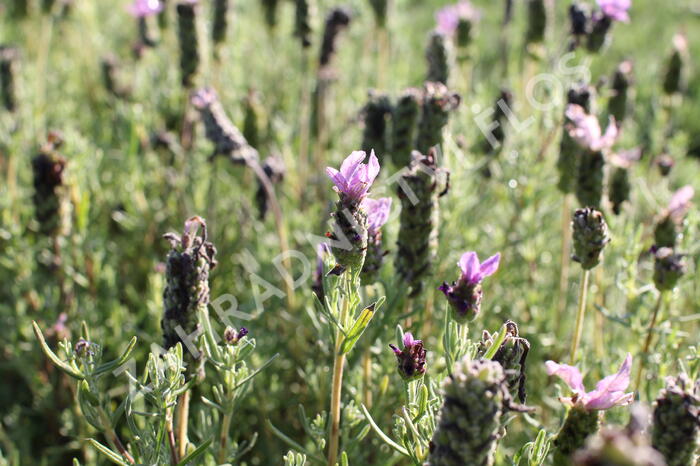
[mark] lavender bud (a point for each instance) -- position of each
(418, 192)
(438, 54)
(668, 268)
(676, 421)
(580, 423)
(411, 359)
(438, 102)
(617, 105)
(665, 232)
(619, 190)
(579, 21)
(475, 397)
(511, 355)
(8, 70)
(404, 124)
(274, 168)
(188, 263)
(337, 20)
(377, 113)
(590, 233)
(590, 177)
(374, 258)
(303, 12)
(51, 203)
(219, 24)
(673, 76)
(189, 42)
(536, 21)
(227, 139)
(464, 298)
(616, 447)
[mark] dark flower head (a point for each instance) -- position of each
(411, 358)
(465, 294)
(83, 348)
(232, 337)
(669, 267)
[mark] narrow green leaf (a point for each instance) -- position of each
(357, 329)
(500, 338)
(108, 366)
(73, 372)
(282, 436)
(112, 456)
(257, 371)
(382, 435)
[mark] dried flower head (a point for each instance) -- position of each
(676, 421)
(590, 233)
(669, 267)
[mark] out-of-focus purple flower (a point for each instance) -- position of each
(465, 294)
(448, 18)
(608, 392)
(377, 213)
(355, 178)
(616, 10)
(626, 158)
(411, 358)
(143, 8)
(585, 129)
(680, 203)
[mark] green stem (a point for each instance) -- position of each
(583, 289)
(112, 437)
(182, 419)
(647, 341)
(223, 438)
(336, 388)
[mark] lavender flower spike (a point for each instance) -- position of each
(143, 8)
(354, 178)
(411, 358)
(377, 213)
(465, 294)
(583, 419)
(616, 10)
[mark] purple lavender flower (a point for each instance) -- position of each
(617, 10)
(465, 294)
(354, 178)
(143, 8)
(608, 393)
(448, 18)
(411, 358)
(377, 213)
(585, 129)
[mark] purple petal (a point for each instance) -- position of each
(408, 340)
(489, 266)
(569, 374)
(469, 264)
(351, 163)
(337, 178)
(372, 168)
(377, 212)
(394, 349)
(619, 381)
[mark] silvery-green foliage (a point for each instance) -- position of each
(534, 453)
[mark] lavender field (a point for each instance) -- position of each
(352, 232)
